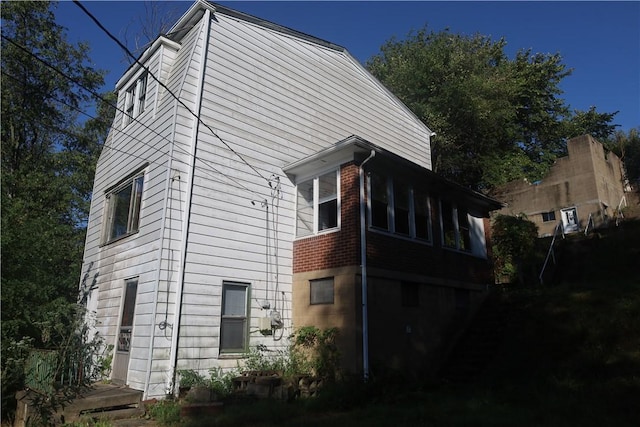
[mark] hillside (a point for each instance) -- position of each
(569, 356)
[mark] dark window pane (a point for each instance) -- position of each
(463, 227)
(448, 228)
(421, 206)
(120, 220)
(232, 334)
(401, 196)
(379, 202)
(328, 215)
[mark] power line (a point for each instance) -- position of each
(102, 98)
(197, 117)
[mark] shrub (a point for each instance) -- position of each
(513, 244)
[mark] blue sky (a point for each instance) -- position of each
(600, 41)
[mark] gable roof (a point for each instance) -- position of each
(339, 89)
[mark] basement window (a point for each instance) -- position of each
(321, 291)
(548, 216)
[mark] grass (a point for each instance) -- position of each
(571, 357)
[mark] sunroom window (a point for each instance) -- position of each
(455, 226)
(318, 204)
(398, 208)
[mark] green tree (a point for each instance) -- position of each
(513, 244)
(47, 165)
(496, 118)
(598, 125)
(627, 147)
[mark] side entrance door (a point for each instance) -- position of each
(121, 359)
(570, 220)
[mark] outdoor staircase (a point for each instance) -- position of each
(101, 401)
(479, 344)
(104, 401)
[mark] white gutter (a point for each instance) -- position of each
(363, 265)
(173, 357)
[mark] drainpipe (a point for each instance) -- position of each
(173, 357)
(363, 266)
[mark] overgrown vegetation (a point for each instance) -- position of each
(570, 357)
(312, 352)
(48, 162)
(56, 375)
(513, 240)
(219, 381)
(166, 412)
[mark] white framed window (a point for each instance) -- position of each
(123, 208)
(135, 99)
(397, 207)
(455, 226)
(321, 291)
(318, 204)
(234, 329)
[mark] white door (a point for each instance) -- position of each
(121, 359)
(570, 220)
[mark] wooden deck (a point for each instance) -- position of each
(100, 401)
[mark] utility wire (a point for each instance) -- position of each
(197, 117)
(102, 98)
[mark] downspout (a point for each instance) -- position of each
(167, 195)
(363, 266)
(173, 356)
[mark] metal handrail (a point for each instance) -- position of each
(620, 215)
(589, 221)
(551, 253)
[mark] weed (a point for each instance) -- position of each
(166, 412)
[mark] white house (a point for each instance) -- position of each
(193, 218)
